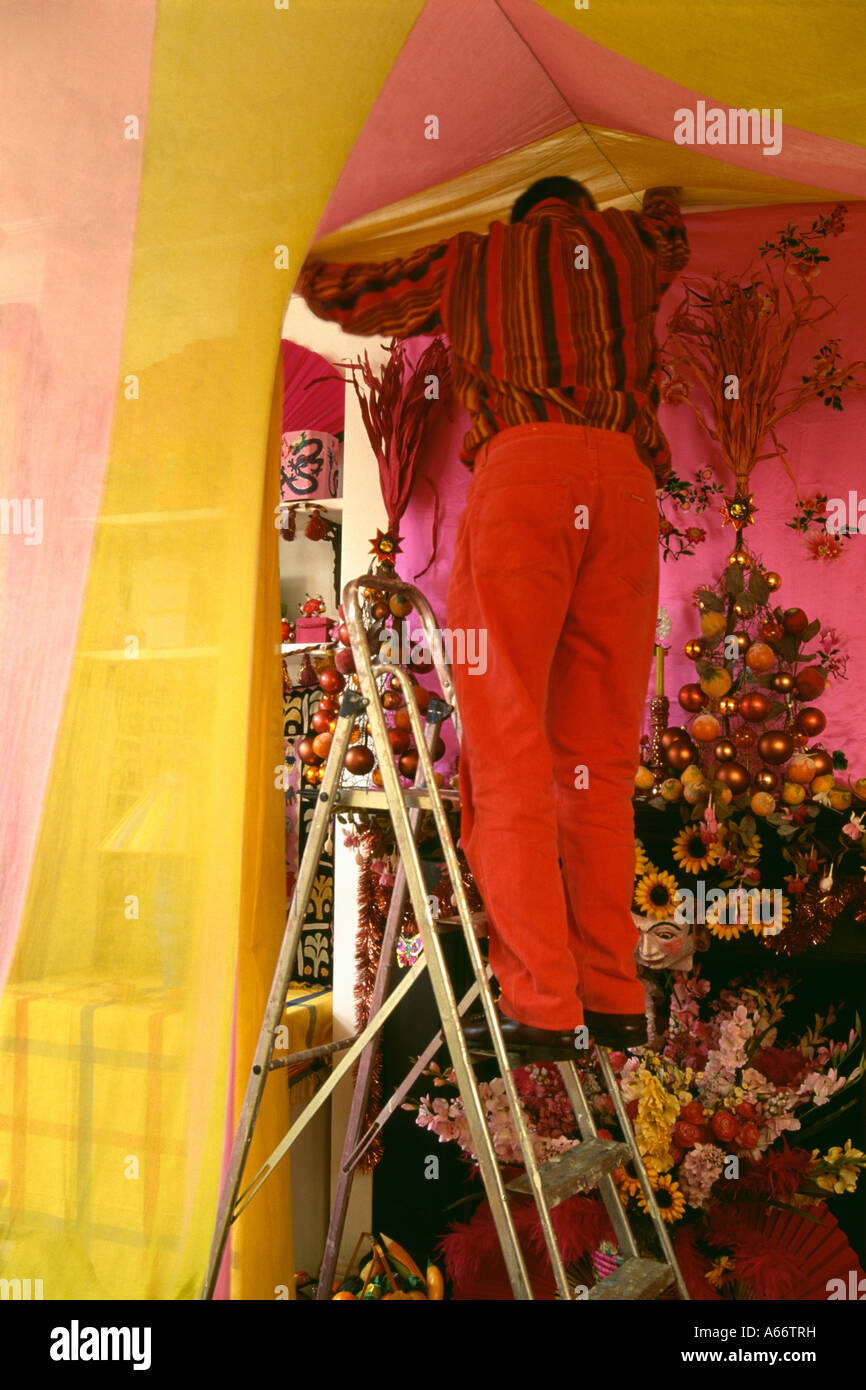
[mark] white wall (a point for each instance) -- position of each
(363, 512)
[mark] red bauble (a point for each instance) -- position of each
(810, 683)
(775, 746)
(408, 763)
(673, 735)
(392, 699)
(754, 706)
(399, 740)
(771, 631)
(343, 634)
(359, 760)
(380, 610)
(734, 776)
(321, 721)
(330, 679)
(344, 661)
(692, 698)
(794, 620)
(811, 721)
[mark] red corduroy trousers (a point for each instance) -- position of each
(552, 606)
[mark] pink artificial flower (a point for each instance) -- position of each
(825, 547)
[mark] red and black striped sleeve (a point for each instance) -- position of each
(401, 297)
(661, 214)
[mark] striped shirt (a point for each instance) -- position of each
(551, 318)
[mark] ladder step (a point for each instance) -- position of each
(580, 1167)
(374, 798)
(634, 1279)
(450, 924)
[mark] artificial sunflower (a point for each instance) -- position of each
(725, 931)
(754, 921)
(641, 862)
(691, 853)
(629, 1187)
(721, 1270)
(669, 1196)
(656, 894)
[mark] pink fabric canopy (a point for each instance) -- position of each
(309, 403)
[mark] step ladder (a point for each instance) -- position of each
(591, 1162)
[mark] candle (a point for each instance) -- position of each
(660, 670)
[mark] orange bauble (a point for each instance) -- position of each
(322, 744)
(307, 753)
(801, 769)
(754, 706)
(775, 746)
(760, 657)
(705, 728)
(811, 721)
(695, 648)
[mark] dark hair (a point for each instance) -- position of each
(567, 190)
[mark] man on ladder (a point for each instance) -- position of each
(551, 325)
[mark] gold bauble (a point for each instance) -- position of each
(783, 681)
(766, 779)
(728, 705)
(724, 751)
(773, 579)
(822, 760)
(739, 557)
(694, 648)
(775, 746)
(734, 776)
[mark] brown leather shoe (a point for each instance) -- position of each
(616, 1030)
(535, 1044)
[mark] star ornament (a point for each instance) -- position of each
(385, 546)
(739, 511)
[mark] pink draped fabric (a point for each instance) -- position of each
(67, 226)
(310, 403)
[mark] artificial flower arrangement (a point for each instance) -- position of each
(712, 1101)
(764, 805)
(731, 337)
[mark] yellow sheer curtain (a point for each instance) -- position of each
(160, 841)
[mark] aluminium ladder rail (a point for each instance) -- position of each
(591, 1162)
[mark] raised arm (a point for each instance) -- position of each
(661, 215)
(399, 297)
